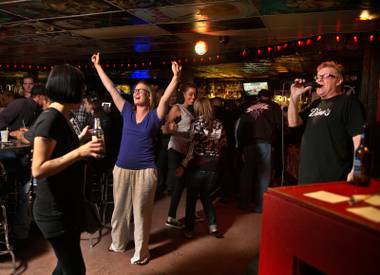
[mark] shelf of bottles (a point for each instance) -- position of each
(9, 91)
(230, 90)
(282, 99)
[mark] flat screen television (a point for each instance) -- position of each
(253, 88)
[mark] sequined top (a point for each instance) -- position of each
(207, 141)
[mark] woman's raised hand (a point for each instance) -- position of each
(95, 58)
(176, 68)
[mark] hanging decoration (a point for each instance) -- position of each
(339, 40)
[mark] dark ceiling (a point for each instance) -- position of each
(56, 31)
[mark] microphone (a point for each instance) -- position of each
(312, 84)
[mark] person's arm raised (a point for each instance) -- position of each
(162, 105)
(108, 84)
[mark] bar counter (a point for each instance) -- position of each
(299, 229)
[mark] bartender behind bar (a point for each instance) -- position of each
(332, 127)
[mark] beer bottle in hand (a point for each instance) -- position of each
(97, 133)
(362, 161)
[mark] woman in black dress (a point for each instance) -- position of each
(59, 172)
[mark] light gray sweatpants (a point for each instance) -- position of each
(133, 193)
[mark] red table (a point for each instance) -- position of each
(298, 228)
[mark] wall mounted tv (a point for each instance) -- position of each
(253, 88)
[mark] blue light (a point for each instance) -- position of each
(141, 47)
(140, 74)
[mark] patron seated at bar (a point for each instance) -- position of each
(332, 127)
(16, 116)
(22, 112)
(26, 135)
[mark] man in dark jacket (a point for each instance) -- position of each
(258, 129)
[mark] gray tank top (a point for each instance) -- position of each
(179, 143)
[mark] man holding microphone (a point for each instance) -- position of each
(332, 127)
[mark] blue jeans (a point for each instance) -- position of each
(257, 168)
(174, 183)
(200, 186)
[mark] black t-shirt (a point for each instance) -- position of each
(327, 147)
(56, 208)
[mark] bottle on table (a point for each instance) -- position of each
(362, 161)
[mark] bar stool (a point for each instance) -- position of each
(6, 247)
(106, 180)
(93, 185)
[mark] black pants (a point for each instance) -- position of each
(67, 249)
(177, 183)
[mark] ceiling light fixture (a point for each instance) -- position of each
(365, 16)
(200, 47)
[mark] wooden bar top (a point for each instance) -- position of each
(338, 210)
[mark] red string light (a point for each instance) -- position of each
(300, 43)
(339, 38)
